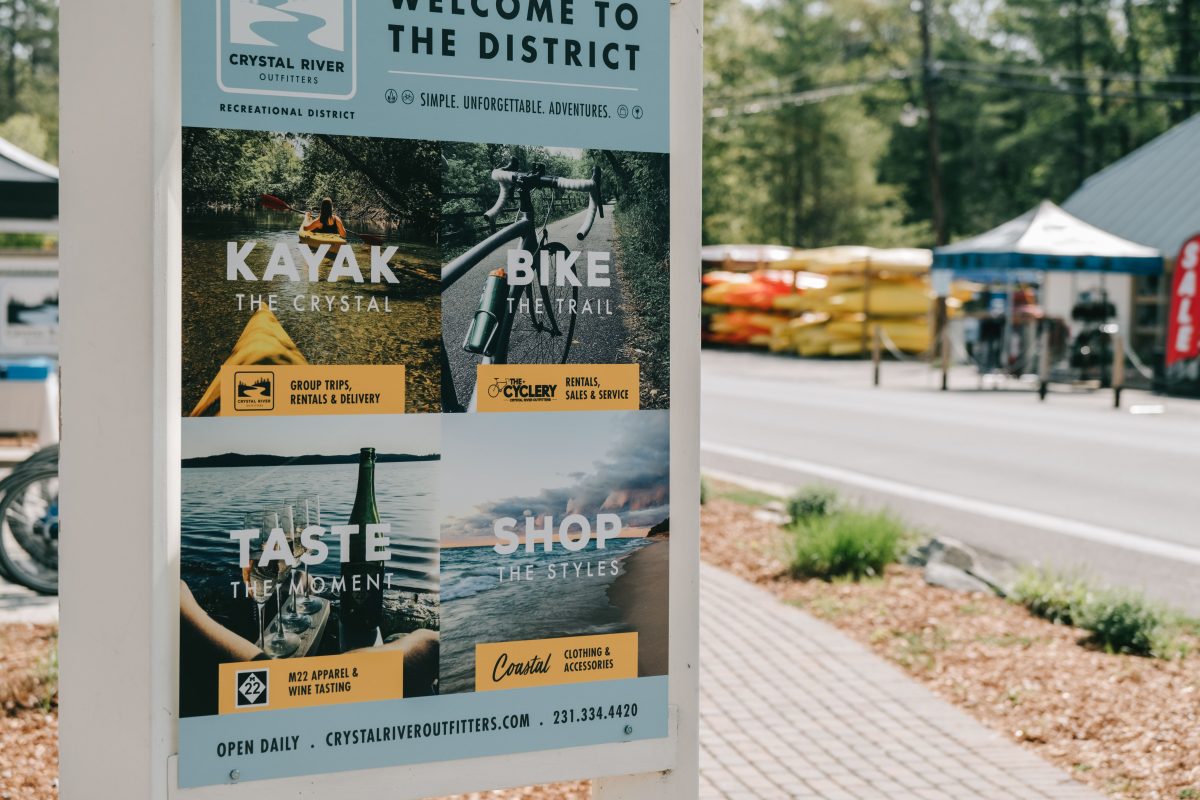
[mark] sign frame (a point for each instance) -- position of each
(120, 348)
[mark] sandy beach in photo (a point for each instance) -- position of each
(641, 595)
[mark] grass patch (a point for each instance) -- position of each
(812, 502)
(1056, 596)
(28, 667)
(845, 544)
(718, 490)
(1116, 620)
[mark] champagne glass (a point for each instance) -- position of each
(307, 511)
(256, 587)
(291, 617)
(278, 642)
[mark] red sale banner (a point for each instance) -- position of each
(1183, 332)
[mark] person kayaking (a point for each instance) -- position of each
(327, 222)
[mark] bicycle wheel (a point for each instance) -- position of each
(29, 528)
(544, 320)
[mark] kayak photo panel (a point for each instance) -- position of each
(557, 278)
(311, 543)
(555, 550)
(310, 250)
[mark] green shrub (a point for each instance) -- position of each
(812, 501)
(1123, 621)
(1118, 620)
(845, 544)
(1056, 596)
(703, 491)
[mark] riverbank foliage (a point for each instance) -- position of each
(393, 182)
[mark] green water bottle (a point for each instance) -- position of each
(481, 336)
(362, 595)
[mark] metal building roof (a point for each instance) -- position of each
(1149, 196)
(28, 188)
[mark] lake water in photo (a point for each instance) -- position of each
(216, 499)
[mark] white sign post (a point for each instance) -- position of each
(120, 350)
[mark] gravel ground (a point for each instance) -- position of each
(29, 718)
(1128, 726)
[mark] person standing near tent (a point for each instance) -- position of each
(326, 222)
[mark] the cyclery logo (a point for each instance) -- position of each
(289, 48)
(519, 390)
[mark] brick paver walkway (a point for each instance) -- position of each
(792, 708)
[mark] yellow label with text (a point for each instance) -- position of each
(550, 662)
(358, 677)
(293, 390)
(558, 387)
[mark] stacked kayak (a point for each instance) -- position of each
(839, 295)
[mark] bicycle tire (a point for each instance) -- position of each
(46, 455)
(533, 342)
(20, 570)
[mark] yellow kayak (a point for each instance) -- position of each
(313, 239)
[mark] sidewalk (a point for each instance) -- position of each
(792, 708)
(18, 604)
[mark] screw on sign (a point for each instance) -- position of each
(1183, 335)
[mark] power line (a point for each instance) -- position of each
(1064, 74)
(1042, 88)
(819, 94)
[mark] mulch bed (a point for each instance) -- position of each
(28, 713)
(1127, 726)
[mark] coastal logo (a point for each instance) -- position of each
(252, 687)
(288, 48)
(255, 391)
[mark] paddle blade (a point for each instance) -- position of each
(274, 203)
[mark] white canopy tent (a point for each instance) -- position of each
(1046, 238)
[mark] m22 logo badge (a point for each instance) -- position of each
(288, 48)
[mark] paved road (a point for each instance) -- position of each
(1070, 482)
(792, 708)
(599, 337)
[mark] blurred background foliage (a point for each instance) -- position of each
(816, 128)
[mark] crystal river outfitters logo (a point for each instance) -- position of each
(255, 391)
(288, 48)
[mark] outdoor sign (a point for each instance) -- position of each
(1183, 327)
(30, 321)
(425, 388)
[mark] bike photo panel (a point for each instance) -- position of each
(556, 279)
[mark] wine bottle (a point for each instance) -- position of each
(362, 594)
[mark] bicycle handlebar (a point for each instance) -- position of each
(507, 177)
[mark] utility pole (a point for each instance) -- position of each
(1081, 98)
(1185, 60)
(928, 78)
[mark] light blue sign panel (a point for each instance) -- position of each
(310, 741)
(568, 73)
